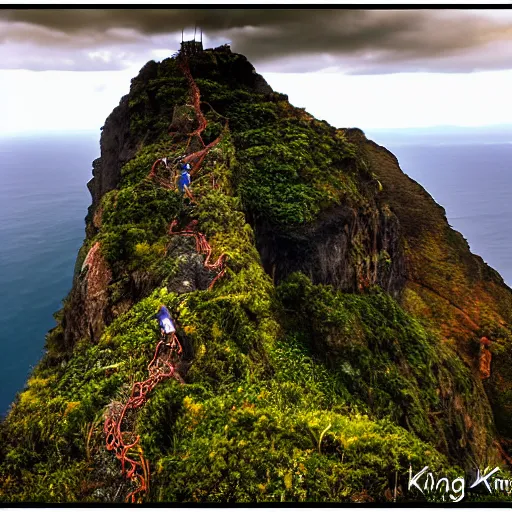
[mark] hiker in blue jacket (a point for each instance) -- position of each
(167, 328)
(184, 181)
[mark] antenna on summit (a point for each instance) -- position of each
(189, 48)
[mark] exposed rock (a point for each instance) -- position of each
(97, 218)
(348, 248)
(117, 143)
(260, 85)
(86, 312)
(117, 147)
(141, 283)
(96, 296)
(191, 274)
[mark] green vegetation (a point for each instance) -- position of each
(387, 360)
(298, 392)
(290, 167)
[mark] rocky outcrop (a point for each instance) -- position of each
(260, 85)
(117, 143)
(191, 274)
(448, 286)
(117, 147)
(91, 306)
(349, 248)
(86, 312)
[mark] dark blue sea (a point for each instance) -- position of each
(43, 203)
(44, 200)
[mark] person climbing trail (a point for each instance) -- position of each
(184, 178)
(167, 328)
(184, 181)
(119, 435)
(485, 358)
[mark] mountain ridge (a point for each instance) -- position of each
(342, 340)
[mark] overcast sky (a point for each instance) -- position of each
(66, 69)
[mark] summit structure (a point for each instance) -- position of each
(192, 47)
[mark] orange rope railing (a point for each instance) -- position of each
(195, 159)
(163, 366)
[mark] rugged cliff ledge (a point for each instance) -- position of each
(333, 335)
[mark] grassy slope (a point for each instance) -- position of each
(265, 415)
(453, 290)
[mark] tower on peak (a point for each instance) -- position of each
(193, 47)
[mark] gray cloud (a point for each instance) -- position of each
(353, 41)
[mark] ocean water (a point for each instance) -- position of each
(43, 203)
(44, 200)
(471, 177)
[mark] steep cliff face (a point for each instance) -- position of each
(453, 289)
(330, 316)
(348, 248)
(118, 144)
(116, 149)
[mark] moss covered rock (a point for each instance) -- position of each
(333, 354)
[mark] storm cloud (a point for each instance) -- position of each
(286, 40)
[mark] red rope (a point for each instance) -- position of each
(153, 168)
(196, 100)
(195, 159)
(134, 465)
(161, 367)
(161, 181)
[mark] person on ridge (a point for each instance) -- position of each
(184, 178)
(167, 328)
(485, 357)
(184, 181)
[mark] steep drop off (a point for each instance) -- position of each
(339, 348)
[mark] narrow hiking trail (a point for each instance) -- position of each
(194, 159)
(202, 247)
(125, 443)
(196, 101)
